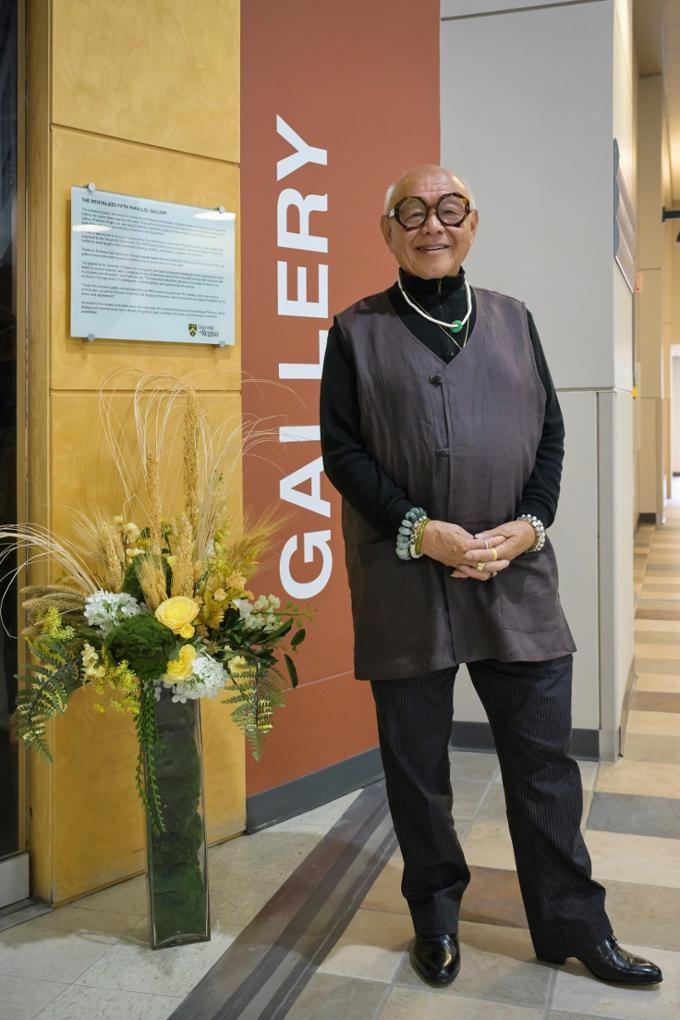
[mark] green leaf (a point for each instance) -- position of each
(292, 671)
(298, 638)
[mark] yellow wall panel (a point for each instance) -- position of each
(161, 72)
(153, 173)
(97, 822)
(141, 97)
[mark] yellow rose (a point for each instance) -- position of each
(237, 665)
(182, 667)
(177, 613)
(187, 631)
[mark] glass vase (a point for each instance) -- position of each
(177, 867)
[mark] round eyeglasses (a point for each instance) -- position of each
(450, 209)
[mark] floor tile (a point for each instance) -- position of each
(467, 796)
(658, 682)
(552, 1015)
(576, 990)
(385, 893)
(497, 964)
(129, 897)
(89, 1003)
(645, 913)
(62, 945)
(654, 650)
(646, 665)
(493, 897)
(407, 1003)
(650, 860)
(647, 779)
(642, 747)
(671, 627)
(588, 773)
(372, 946)
(656, 633)
(22, 998)
(473, 765)
(488, 844)
(132, 966)
(659, 613)
(331, 997)
(655, 701)
(644, 815)
(661, 723)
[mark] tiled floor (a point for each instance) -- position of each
(91, 959)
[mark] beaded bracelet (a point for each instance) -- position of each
(405, 529)
(539, 527)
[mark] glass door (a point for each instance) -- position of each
(13, 858)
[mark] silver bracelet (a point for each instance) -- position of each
(538, 527)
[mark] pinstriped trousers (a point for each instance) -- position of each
(528, 705)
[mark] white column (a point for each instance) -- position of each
(531, 98)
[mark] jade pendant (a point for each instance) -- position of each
(456, 326)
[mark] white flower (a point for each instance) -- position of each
(244, 607)
(271, 622)
(106, 609)
(207, 680)
(211, 674)
(274, 602)
(260, 603)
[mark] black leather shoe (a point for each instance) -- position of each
(435, 958)
(609, 962)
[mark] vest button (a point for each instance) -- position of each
(443, 451)
(436, 380)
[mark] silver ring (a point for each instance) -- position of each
(486, 544)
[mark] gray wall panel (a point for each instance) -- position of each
(530, 127)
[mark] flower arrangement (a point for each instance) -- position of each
(162, 610)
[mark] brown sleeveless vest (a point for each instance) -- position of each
(460, 439)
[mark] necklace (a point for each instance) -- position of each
(454, 326)
(447, 330)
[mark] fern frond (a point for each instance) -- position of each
(48, 685)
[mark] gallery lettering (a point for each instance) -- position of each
(303, 294)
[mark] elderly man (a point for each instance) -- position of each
(441, 429)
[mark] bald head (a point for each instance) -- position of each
(432, 249)
(412, 179)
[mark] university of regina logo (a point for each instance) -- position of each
(193, 329)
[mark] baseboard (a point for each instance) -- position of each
(308, 792)
(646, 518)
(477, 736)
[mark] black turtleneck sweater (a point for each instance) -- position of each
(353, 471)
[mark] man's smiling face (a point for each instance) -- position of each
(433, 250)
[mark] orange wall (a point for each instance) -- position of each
(360, 81)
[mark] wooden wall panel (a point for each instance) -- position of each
(141, 98)
(164, 74)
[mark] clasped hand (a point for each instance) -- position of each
(495, 548)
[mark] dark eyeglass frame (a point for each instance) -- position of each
(394, 212)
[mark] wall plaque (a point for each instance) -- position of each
(148, 270)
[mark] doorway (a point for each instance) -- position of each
(13, 858)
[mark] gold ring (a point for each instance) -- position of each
(495, 554)
(481, 568)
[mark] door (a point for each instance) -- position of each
(13, 856)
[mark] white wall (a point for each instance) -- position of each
(675, 436)
(530, 101)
